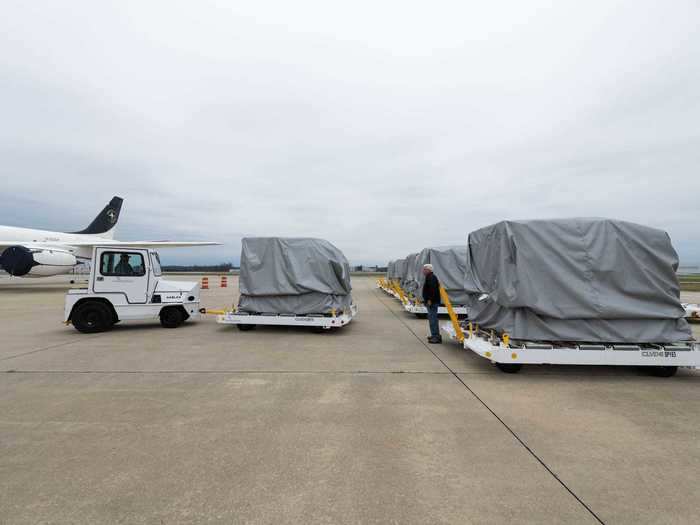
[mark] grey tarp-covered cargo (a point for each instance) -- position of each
(391, 270)
(409, 283)
(399, 269)
(595, 280)
(293, 275)
(448, 266)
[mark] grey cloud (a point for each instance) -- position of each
(383, 128)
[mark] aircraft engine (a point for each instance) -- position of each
(20, 261)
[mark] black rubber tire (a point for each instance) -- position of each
(172, 317)
(509, 368)
(92, 317)
(422, 316)
(245, 327)
(664, 371)
(317, 329)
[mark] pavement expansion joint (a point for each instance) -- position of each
(50, 347)
(272, 372)
(482, 402)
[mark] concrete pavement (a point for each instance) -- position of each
(367, 425)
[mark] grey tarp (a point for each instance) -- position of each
(399, 269)
(391, 270)
(575, 279)
(293, 275)
(448, 266)
(409, 282)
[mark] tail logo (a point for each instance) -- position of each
(112, 216)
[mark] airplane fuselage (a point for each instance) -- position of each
(58, 240)
(27, 252)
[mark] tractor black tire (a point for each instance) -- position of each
(509, 368)
(92, 317)
(172, 317)
(245, 327)
(664, 371)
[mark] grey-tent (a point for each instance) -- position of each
(390, 269)
(399, 270)
(411, 274)
(293, 276)
(448, 265)
(595, 280)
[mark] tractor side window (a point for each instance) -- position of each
(122, 264)
(155, 260)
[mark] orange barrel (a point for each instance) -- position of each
(205, 283)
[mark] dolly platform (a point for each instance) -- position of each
(510, 355)
(247, 321)
(420, 310)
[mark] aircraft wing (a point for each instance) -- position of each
(142, 244)
(106, 242)
(28, 245)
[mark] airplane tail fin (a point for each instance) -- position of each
(104, 224)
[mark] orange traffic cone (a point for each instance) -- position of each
(205, 283)
(224, 281)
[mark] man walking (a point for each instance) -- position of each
(431, 298)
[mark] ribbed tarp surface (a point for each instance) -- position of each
(293, 275)
(597, 280)
(448, 263)
(399, 269)
(391, 270)
(411, 274)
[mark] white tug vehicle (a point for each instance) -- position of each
(126, 284)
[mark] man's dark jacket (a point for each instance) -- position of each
(431, 289)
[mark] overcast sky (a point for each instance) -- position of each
(383, 127)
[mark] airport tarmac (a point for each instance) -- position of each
(365, 425)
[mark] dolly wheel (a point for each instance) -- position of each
(509, 368)
(317, 329)
(92, 317)
(172, 317)
(422, 316)
(245, 327)
(664, 371)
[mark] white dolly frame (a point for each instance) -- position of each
(419, 309)
(316, 321)
(682, 354)
(388, 291)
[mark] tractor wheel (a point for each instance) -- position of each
(92, 317)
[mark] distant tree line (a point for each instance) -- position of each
(223, 267)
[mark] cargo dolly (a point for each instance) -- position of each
(413, 306)
(510, 355)
(420, 310)
(318, 322)
(387, 287)
(392, 288)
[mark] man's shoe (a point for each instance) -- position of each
(435, 341)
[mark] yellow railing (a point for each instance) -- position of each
(399, 291)
(453, 316)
